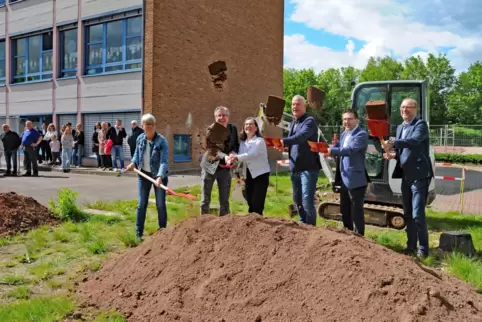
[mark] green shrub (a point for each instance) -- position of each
(66, 208)
(459, 158)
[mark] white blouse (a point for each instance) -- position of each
(254, 154)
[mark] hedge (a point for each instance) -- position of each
(458, 158)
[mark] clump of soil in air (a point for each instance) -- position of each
(19, 214)
(250, 268)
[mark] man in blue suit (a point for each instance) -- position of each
(415, 169)
(305, 165)
(351, 168)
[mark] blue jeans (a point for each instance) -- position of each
(304, 188)
(414, 196)
(117, 152)
(66, 154)
(11, 158)
(144, 188)
(77, 154)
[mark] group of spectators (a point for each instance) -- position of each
(65, 147)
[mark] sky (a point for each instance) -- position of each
(321, 34)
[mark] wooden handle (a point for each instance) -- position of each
(150, 179)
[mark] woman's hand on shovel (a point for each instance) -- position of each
(131, 167)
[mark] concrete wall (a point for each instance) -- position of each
(111, 92)
(21, 18)
(183, 42)
(66, 96)
(66, 10)
(96, 7)
(30, 99)
(2, 21)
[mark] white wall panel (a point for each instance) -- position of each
(2, 22)
(112, 92)
(66, 96)
(29, 99)
(30, 15)
(96, 7)
(66, 10)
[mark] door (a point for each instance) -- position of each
(91, 119)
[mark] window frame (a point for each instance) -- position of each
(3, 80)
(182, 157)
(63, 70)
(104, 65)
(44, 76)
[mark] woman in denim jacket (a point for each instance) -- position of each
(150, 157)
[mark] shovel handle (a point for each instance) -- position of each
(168, 190)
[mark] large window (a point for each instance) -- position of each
(32, 58)
(182, 148)
(2, 62)
(114, 46)
(68, 53)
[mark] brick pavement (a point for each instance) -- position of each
(448, 192)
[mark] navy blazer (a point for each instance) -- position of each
(299, 151)
(413, 152)
(352, 168)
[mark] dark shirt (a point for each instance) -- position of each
(11, 141)
(29, 137)
(117, 139)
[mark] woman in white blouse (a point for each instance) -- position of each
(254, 155)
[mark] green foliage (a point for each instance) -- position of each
(459, 158)
(452, 99)
(37, 309)
(66, 208)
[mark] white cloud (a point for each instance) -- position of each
(385, 27)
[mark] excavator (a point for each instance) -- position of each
(383, 199)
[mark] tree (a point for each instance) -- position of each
(465, 101)
(378, 69)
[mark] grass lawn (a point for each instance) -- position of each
(38, 269)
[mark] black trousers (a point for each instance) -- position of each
(256, 190)
(30, 159)
(351, 208)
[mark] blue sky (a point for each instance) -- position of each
(321, 34)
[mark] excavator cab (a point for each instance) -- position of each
(383, 199)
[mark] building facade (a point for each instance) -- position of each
(205, 53)
(77, 61)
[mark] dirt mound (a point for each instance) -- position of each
(250, 268)
(19, 214)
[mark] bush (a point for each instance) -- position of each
(66, 208)
(458, 158)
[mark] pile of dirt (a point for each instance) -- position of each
(20, 214)
(250, 268)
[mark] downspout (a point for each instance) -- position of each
(80, 58)
(143, 53)
(8, 62)
(55, 64)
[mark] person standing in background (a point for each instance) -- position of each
(132, 139)
(79, 142)
(117, 134)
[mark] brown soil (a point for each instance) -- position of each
(20, 214)
(250, 268)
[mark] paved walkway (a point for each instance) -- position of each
(91, 187)
(448, 192)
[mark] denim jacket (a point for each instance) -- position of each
(159, 154)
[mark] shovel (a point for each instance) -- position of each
(168, 190)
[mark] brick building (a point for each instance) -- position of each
(82, 61)
(182, 41)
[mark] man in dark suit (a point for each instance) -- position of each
(304, 165)
(351, 171)
(415, 169)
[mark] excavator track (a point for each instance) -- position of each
(377, 215)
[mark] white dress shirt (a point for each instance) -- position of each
(254, 154)
(348, 137)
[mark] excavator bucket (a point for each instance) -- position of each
(315, 97)
(274, 109)
(377, 118)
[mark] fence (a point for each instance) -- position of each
(452, 178)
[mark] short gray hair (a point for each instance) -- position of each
(299, 97)
(221, 108)
(410, 101)
(148, 118)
